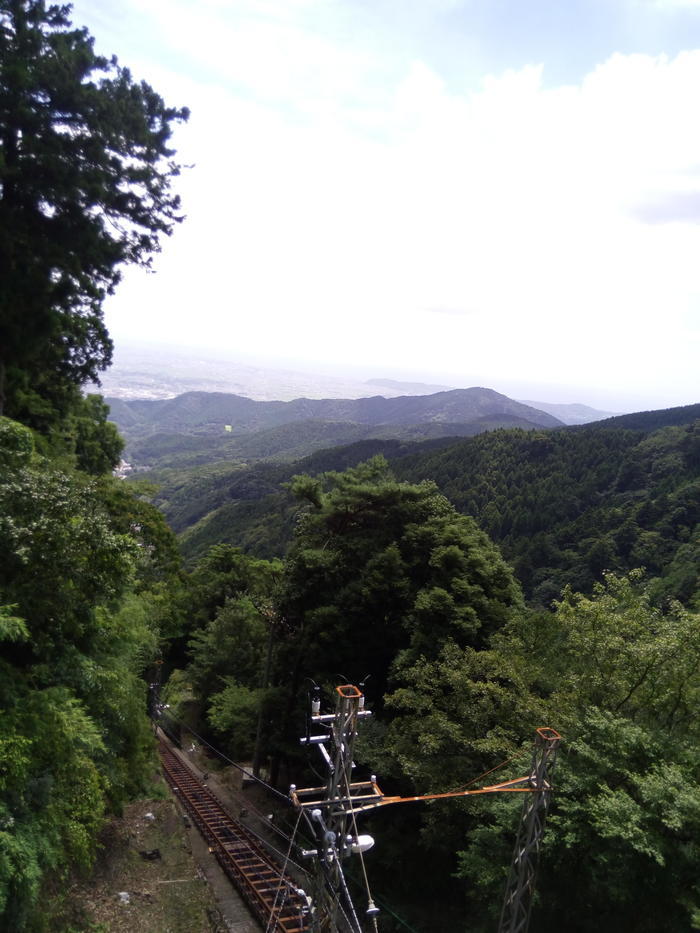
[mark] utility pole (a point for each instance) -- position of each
(330, 810)
(517, 903)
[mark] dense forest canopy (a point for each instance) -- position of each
(385, 578)
(562, 505)
(612, 666)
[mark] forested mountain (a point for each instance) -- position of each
(293, 441)
(210, 412)
(649, 420)
(250, 506)
(566, 505)
(563, 505)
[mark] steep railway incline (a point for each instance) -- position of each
(270, 892)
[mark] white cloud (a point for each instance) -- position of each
(339, 195)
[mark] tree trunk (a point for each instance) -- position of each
(266, 684)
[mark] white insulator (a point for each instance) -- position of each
(362, 844)
(315, 707)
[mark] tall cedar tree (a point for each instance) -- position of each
(85, 186)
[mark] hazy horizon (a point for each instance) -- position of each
(258, 377)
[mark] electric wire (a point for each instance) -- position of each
(277, 851)
(332, 892)
(383, 904)
(343, 912)
(266, 842)
(244, 801)
(359, 849)
(479, 777)
(346, 892)
(345, 915)
(282, 878)
(245, 771)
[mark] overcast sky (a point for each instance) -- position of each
(482, 192)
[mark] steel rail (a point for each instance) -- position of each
(271, 893)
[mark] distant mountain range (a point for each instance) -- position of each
(203, 412)
(200, 427)
(142, 371)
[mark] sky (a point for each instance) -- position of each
(472, 192)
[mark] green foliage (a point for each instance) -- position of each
(16, 445)
(567, 505)
(98, 444)
(231, 645)
(234, 714)
(563, 506)
(464, 710)
(620, 679)
(85, 186)
(226, 573)
(227, 602)
(58, 558)
(76, 640)
(157, 553)
(618, 652)
(652, 420)
(383, 575)
(177, 693)
(12, 628)
(51, 793)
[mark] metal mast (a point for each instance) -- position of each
(517, 903)
(330, 810)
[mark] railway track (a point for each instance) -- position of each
(272, 895)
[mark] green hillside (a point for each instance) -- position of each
(234, 427)
(650, 420)
(293, 441)
(249, 506)
(566, 505)
(563, 505)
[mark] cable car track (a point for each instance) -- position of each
(271, 893)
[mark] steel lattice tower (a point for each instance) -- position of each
(517, 903)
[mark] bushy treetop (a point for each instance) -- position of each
(86, 175)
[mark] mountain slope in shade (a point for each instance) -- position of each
(292, 441)
(652, 420)
(210, 412)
